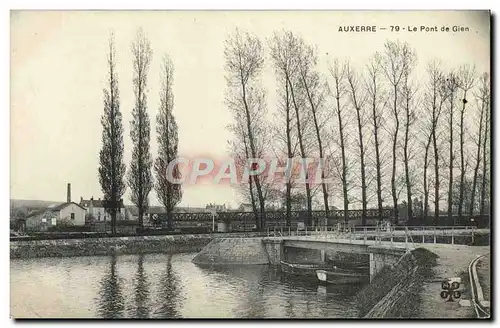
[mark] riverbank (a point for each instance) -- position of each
(395, 291)
(116, 245)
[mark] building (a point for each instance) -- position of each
(97, 212)
(245, 208)
(216, 207)
(68, 214)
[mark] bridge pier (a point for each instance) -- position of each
(381, 257)
(275, 250)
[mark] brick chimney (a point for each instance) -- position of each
(69, 193)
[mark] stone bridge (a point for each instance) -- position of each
(314, 250)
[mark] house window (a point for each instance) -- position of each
(72, 216)
(99, 217)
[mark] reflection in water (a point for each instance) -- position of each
(141, 290)
(171, 286)
(169, 292)
(111, 304)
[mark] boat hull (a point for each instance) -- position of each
(341, 277)
(302, 269)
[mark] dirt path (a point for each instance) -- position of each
(452, 262)
(483, 271)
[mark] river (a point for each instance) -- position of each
(167, 286)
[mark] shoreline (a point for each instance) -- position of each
(115, 245)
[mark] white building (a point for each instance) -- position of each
(65, 214)
(97, 211)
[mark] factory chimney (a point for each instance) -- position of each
(69, 193)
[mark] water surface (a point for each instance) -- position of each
(167, 286)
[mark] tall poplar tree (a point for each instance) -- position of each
(168, 191)
(112, 168)
(140, 179)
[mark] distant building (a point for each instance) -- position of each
(245, 208)
(216, 207)
(188, 209)
(65, 214)
(96, 210)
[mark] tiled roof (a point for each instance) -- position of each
(53, 209)
(95, 203)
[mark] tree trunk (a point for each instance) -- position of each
(290, 155)
(361, 152)
(377, 154)
(426, 187)
(394, 148)
(483, 180)
(252, 196)
(344, 168)
(450, 166)
(320, 146)
(436, 175)
(406, 160)
(478, 162)
(462, 158)
(252, 149)
(303, 154)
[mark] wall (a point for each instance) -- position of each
(35, 223)
(233, 251)
(65, 213)
(100, 214)
(303, 255)
(114, 245)
(381, 257)
(395, 291)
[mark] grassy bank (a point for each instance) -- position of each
(395, 291)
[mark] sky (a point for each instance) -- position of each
(58, 72)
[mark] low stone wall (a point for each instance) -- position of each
(115, 245)
(395, 291)
(234, 251)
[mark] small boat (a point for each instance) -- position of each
(341, 276)
(303, 269)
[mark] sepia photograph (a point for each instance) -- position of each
(259, 164)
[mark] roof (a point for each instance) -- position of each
(95, 203)
(151, 210)
(53, 209)
(63, 205)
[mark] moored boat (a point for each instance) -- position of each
(303, 269)
(340, 276)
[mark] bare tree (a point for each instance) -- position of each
(286, 51)
(244, 61)
(140, 179)
(282, 51)
(338, 90)
(466, 78)
(373, 87)
(485, 178)
(311, 83)
(169, 192)
(427, 145)
(358, 101)
(408, 95)
(452, 89)
(240, 149)
(112, 168)
(435, 98)
(483, 100)
(395, 62)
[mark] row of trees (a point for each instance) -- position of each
(112, 167)
(385, 134)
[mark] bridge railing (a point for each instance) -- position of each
(379, 234)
